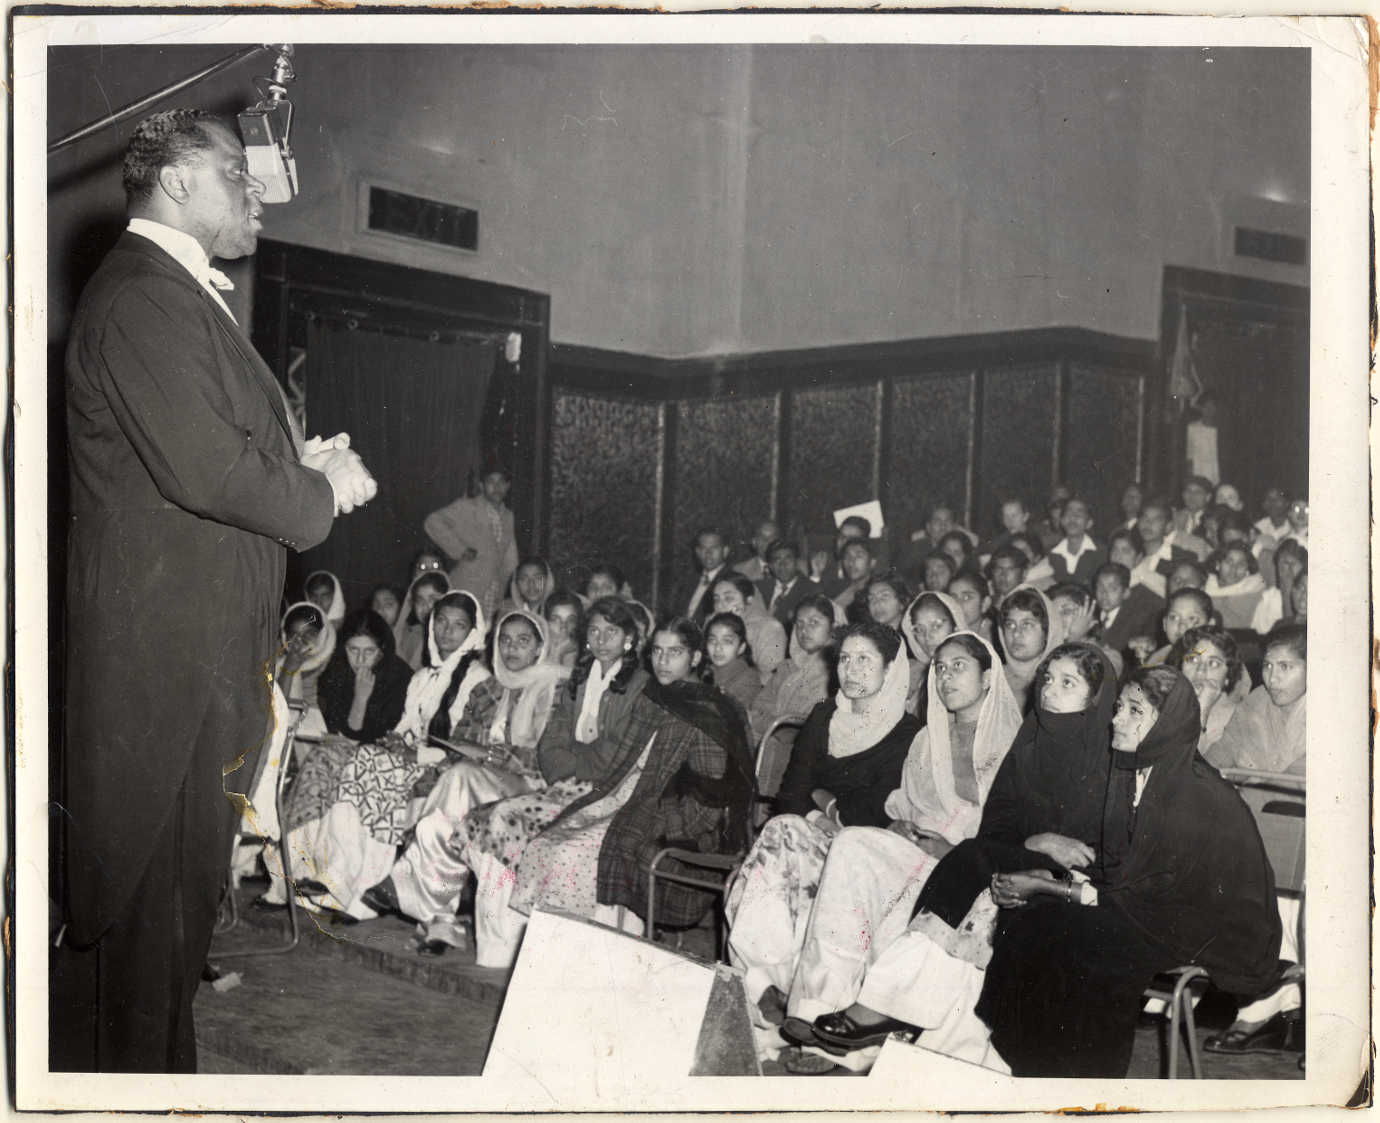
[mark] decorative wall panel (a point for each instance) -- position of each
(605, 462)
(725, 449)
(833, 449)
(1100, 440)
(1018, 407)
(928, 461)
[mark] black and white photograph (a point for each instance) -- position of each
(645, 561)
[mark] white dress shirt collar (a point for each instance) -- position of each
(187, 252)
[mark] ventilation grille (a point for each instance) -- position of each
(1269, 245)
(422, 220)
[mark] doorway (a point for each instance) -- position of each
(433, 376)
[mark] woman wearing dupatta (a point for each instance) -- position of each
(929, 620)
(846, 763)
(427, 880)
(872, 877)
(1044, 810)
(1030, 630)
(683, 778)
(352, 804)
(308, 644)
(579, 747)
(531, 583)
(410, 630)
(322, 589)
(1184, 879)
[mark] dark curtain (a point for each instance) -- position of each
(1258, 368)
(412, 407)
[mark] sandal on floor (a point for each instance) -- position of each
(1278, 1035)
(841, 1031)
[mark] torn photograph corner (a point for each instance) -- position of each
(461, 661)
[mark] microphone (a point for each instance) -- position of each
(265, 128)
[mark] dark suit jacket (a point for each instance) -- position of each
(785, 607)
(185, 489)
(1139, 615)
(685, 589)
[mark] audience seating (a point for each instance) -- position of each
(725, 864)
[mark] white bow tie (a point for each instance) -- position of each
(219, 279)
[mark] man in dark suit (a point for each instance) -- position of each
(783, 588)
(695, 598)
(189, 478)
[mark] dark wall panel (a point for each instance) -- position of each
(1018, 408)
(928, 461)
(1100, 439)
(833, 449)
(605, 457)
(725, 449)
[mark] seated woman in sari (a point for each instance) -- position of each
(578, 748)
(352, 803)
(1209, 659)
(364, 687)
(532, 582)
(309, 641)
(1277, 603)
(682, 776)
(1268, 732)
(729, 658)
(386, 600)
(765, 636)
(410, 632)
(1184, 879)
(970, 590)
(1030, 630)
(872, 877)
(1184, 609)
(1044, 810)
(564, 614)
(795, 687)
(846, 761)
(427, 880)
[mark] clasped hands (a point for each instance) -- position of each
(1013, 890)
(350, 479)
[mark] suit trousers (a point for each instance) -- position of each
(124, 1004)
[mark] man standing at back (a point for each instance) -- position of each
(189, 478)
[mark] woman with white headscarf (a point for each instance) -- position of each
(846, 761)
(872, 877)
(308, 644)
(427, 880)
(352, 804)
(322, 589)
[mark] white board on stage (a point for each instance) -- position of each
(902, 1064)
(592, 1014)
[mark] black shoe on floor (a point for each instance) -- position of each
(1281, 1034)
(382, 898)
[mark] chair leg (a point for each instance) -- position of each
(1195, 1056)
(1174, 1038)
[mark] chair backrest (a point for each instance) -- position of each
(773, 754)
(1278, 802)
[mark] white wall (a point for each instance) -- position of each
(700, 200)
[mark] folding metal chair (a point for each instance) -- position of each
(297, 710)
(725, 864)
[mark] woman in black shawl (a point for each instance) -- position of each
(1044, 810)
(1184, 879)
(362, 690)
